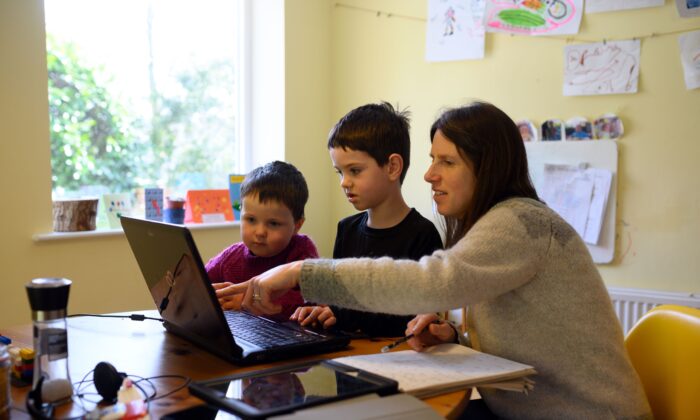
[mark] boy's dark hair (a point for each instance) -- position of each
(279, 181)
(492, 141)
(376, 129)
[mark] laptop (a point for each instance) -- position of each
(182, 292)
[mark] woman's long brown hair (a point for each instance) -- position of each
(492, 142)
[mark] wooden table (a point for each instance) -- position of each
(145, 349)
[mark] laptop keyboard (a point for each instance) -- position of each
(263, 333)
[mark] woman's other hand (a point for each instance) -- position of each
(428, 330)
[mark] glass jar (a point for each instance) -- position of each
(48, 298)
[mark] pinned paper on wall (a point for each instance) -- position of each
(534, 17)
(234, 190)
(688, 8)
(455, 30)
(117, 205)
(597, 154)
(208, 206)
(598, 6)
(690, 57)
(579, 195)
(153, 198)
(602, 68)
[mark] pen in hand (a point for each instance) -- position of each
(397, 342)
(402, 340)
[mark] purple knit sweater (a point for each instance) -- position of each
(237, 264)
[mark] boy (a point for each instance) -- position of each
(273, 200)
(370, 149)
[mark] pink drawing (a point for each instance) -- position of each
(534, 17)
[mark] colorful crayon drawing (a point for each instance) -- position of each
(455, 30)
(534, 17)
(601, 68)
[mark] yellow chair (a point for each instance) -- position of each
(664, 347)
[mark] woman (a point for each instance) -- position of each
(534, 293)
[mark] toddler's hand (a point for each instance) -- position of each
(228, 302)
(313, 315)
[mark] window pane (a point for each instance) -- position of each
(142, 93)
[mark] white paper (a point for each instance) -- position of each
(579, 195)
(534, 17)
(688, 8)
(602, 181)
(597, 6)
(690, 57)
(602, 68)
(455, 30)
(567, 192)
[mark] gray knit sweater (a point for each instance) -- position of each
(535, 296)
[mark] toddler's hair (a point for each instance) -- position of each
(279, 181)
(376, 129)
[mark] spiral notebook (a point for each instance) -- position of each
(445, 368)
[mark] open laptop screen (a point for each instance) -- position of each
(177, 281)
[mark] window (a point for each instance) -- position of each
(144, 93)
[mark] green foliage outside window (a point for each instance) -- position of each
(188, 140)
(91, 139)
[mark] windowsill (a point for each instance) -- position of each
(59, 236)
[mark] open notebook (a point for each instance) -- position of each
(445, 368)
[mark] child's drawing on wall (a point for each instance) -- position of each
(534, 17)
(455, 30)
(449, 21)
(602, 68)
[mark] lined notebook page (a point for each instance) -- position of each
(442, 368)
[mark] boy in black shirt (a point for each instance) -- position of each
(370, 149)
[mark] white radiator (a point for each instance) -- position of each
(631, 304)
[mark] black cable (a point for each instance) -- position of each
(185, 384)
(136, 381)
(133, 317)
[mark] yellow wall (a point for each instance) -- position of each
(337, 59)
(307, 109)
(659, 177)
